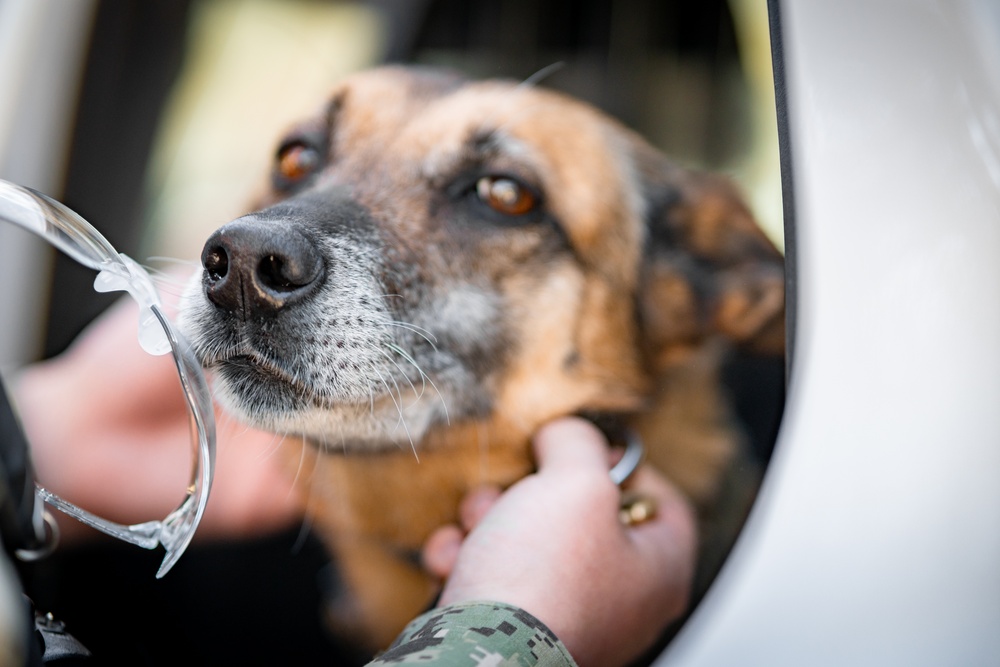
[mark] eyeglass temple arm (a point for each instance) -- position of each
(145, 535)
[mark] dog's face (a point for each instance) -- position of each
(435, 251)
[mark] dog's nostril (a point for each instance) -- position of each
(272, 273)
(216, 263)
(287, 273)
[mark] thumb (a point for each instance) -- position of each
(570, 443)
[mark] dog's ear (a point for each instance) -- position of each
(708, 268)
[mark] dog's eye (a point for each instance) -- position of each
(297, 160)
(505, 195)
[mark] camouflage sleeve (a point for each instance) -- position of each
(477, 634)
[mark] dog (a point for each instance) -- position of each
(439, 266)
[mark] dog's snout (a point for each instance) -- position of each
(259, 268)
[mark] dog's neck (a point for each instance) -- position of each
(399, 494)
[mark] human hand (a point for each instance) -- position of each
(109, 431)
(553, 545)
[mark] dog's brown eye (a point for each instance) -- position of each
(505, 195)
(296, 161)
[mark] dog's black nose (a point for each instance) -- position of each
(259, 268)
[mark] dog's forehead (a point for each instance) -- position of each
(379, 102)
(425, 115)
(581, 158)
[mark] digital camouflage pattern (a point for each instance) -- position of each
(477, 634)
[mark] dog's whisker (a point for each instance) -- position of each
(168, 276)
(425, 378)
(371, 398)
(406, 357)
(392, 397)
(164, 259)
(304, 529)
(406, 377)
(402, 419)
(302, 459)
(162, 279)
(420, 331)
(308, 517)
(397, 398)
(166, 282)
(274, 447)
(542, 74)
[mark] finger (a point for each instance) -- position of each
(673, 528)
(570, 443)
(107, 354)
(252, 492)
(476, 504)
(441, 549)
(649, 482)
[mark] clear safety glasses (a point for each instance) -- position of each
(74, 236)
